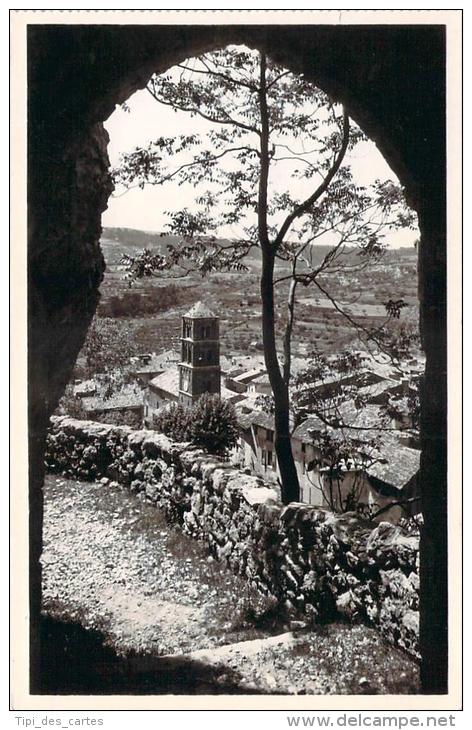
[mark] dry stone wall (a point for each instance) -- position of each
(317, 565)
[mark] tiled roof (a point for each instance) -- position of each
(168, 381)
(230, 395)
(370, 417)
(248, 402)
(303, 431)
(362, 423)
(156, 362)
(402, 463)
(116, 402)
(261, 380)
(200, 310)
(249, 375)
(375, 389)
(244, 420)
(259, 418)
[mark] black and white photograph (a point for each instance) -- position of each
(243, 322)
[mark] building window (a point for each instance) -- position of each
(269, 458)
(270, 435)
(186, 352)
(185, 381)
(206, 331)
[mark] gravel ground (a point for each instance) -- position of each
(111, 563)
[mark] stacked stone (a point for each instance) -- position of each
(316, 564)
(83, 453)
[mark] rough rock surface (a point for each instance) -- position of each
(152, 601)
(316, 565)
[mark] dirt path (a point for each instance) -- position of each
(111, 563)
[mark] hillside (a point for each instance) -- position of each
(151, 308)
(118, 241)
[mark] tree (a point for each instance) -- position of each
(107, 347)
(341, 456)
(210, 423)
(213, 424)
(104, 358)
(173, 421)
(264, 117)
(71, 405)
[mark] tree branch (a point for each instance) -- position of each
(306, 205)
(277, 79)
(229, 79)
(195, 110)
(400, 503)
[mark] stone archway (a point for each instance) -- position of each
(392, 81)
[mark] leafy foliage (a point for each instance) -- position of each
(71, 405)
(135, 304)
(211, 423)
(173, 420)
(267, 125)
(342, 458)
(304, 134)
(107, 347)
(325, 384)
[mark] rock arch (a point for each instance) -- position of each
(391, 79)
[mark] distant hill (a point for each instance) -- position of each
(134, 238)
(118, 241)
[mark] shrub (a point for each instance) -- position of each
(211, 423)
(173, 420)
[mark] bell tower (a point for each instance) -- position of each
(200, 354)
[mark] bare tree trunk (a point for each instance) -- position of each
(283, 445)
(289, 329)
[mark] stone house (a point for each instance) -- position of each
(147, 366)
(161, 390)
(389, 473)
(122, 407)
(256, 449)
(260, 385)
(241, 380)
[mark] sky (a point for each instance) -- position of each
(145, 209)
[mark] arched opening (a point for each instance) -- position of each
(67, 149)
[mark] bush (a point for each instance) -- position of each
(173, 420)
(140, 303)
(211, 423)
